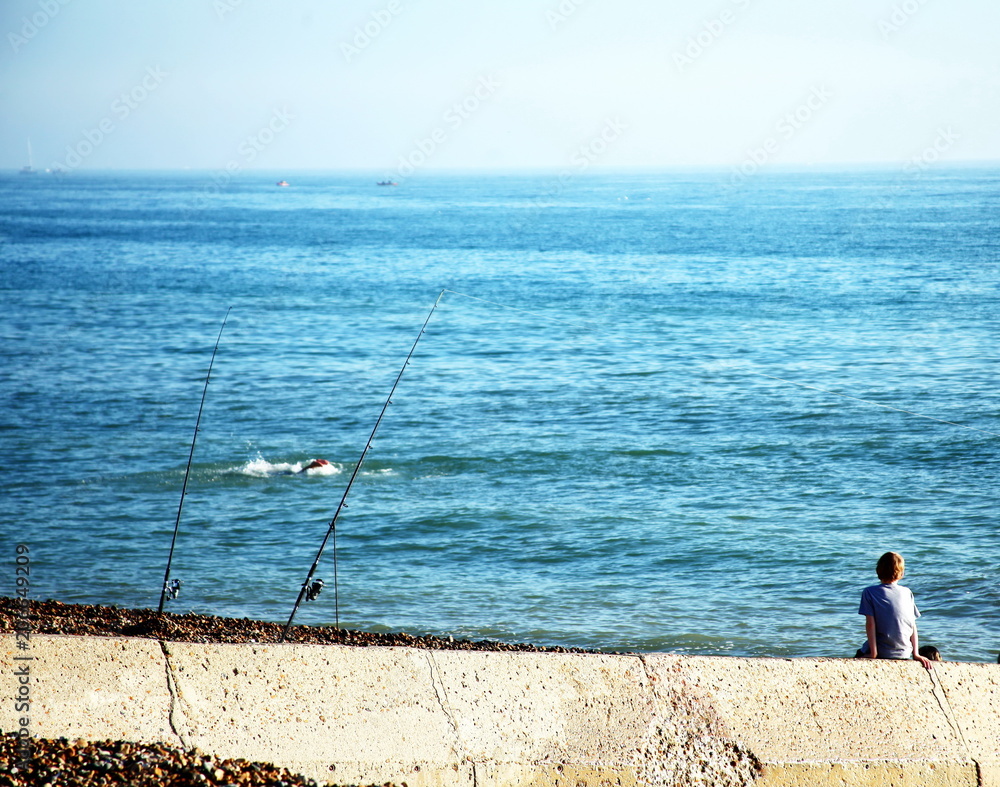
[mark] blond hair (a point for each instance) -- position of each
(890, 567)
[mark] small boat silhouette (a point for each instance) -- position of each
(29, 168)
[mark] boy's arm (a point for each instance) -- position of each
(870, 632)
(916, 650)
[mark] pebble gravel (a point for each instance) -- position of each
(55, 617)
(63, 763)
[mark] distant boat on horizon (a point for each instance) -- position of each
(386, 183)
(282, 183)
(29, 168)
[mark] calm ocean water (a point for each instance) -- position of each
(590, 446)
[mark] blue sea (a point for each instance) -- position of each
(650, 411)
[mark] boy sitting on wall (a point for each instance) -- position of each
(890, 615)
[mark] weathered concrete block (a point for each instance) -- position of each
(84, 685)
(544, 707)
(833, 721)
(333, 713)
(469, 719)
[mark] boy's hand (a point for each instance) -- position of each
(923, 660)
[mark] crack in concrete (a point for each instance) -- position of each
(439, 692)
(645, 670)
(953, 723)
(948, 713)
(174, 692)
(812, 703)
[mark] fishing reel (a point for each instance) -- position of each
(314, 588)
(172, 588)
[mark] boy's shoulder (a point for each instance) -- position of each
(886, 589)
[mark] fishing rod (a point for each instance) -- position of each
(311, 588)
(172, 588)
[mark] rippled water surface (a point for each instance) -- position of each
(635, 421)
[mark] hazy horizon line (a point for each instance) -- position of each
(529, 169)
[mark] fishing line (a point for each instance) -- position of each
(172, 588)
(311, 588)
(580, 324)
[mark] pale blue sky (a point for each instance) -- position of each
(435, 84)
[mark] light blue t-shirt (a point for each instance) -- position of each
(895, 614)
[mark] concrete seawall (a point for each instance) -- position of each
(425, 717)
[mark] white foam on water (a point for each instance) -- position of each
(259, 467)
